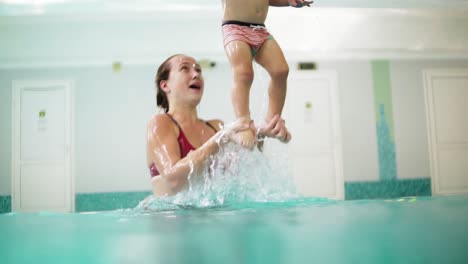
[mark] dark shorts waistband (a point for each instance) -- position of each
(241, 23)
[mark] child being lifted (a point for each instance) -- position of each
(245, 39)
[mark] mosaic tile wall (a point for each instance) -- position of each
(86, 202)
(5, 204)
(387, 189)
(384, 120)
(108, 201)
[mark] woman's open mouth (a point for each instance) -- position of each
(195, 86)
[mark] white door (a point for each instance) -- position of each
(446, 93)
(42, 146)
(315, 148)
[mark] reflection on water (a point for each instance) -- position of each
(246, 211)
(412, 230)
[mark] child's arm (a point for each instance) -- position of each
(294, 3)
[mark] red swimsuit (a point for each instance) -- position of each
(184, 144)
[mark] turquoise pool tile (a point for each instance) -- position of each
(388, 189)
(5, 204)
(86, 202)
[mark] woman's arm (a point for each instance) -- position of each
(164, 151)
(294, 3)
(279, 3)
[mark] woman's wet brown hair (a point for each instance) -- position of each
(163, 74)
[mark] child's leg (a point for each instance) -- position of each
(271, 57)
(240, 58)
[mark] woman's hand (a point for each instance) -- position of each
(299, 3)
(275, 128)
(228, 133)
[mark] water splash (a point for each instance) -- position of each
(234, 175)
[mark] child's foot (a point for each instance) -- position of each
(247, 137)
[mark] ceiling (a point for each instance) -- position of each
(37, 7)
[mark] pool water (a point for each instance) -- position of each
(407, 230)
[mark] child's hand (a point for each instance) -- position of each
(300, 3)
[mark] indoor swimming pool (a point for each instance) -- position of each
(376, 105)
(405, 230)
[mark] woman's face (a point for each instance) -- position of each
(185, 82)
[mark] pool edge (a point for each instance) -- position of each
(106, 201)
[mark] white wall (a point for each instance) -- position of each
(111, 111)
(94, 38)
(112, 108)
(111, 114)
(359, 137)
(217, 99)
(5, 134)
(97, 39)
(409, 114)
(370, 33)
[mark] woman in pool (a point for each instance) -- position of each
(178, 141)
